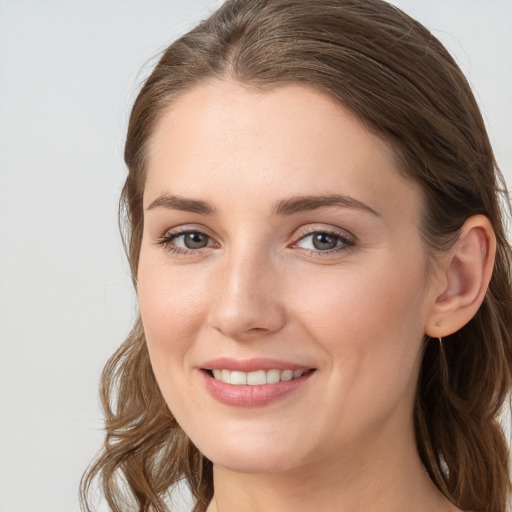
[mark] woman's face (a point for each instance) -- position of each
(280, 242)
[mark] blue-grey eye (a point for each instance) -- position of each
(193, 240)
(324, 242)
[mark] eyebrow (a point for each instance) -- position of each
(287, 206)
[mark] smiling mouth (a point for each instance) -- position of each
(256, 378)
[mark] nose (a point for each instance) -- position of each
(247, 300)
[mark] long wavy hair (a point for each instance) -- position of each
(403, 84)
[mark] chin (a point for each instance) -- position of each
(252, 457)
(253, 463)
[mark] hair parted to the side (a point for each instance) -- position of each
(399, 80)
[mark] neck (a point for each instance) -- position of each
(379, 476)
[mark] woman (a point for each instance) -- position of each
(317, 245)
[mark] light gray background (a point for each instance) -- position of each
(69, 71)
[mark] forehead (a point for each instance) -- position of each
(222, 136)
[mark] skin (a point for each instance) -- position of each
(344, 441)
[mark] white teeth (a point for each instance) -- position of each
(256, 378)
(287, 375)
(273, 376)
(238, 378)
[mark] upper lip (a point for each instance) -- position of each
(251, 365)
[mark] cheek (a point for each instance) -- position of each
(369, 325)
(171, 307)
(369, 322)
(374, 298)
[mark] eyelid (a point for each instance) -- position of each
(184, 229)
(347, 239)
(170, 234)
(343, 233)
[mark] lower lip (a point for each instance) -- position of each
(251, 396)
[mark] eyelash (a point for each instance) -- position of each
(346, 242)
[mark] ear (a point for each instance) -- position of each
(463, 278)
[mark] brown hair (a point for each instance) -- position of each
(399, 79)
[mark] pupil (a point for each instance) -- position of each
(323, 241)
(194, 240)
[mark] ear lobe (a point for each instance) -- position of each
(464, 277)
